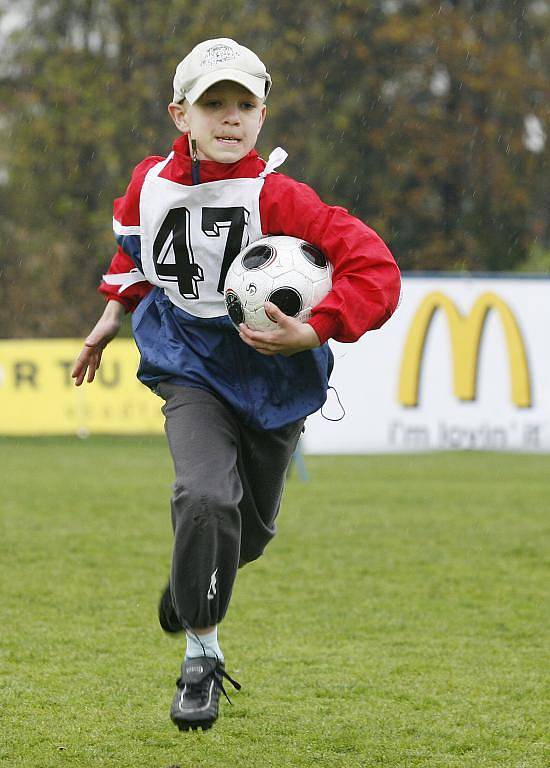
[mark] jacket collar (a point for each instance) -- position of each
(248, 167)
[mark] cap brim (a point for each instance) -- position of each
(256, 85)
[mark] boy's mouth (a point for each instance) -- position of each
(228, 139)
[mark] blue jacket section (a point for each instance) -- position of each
(131, 244)
(207, 353)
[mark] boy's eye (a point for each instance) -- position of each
(213, 103)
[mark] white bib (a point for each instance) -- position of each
(190, 235)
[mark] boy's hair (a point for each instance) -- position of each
(221, 59)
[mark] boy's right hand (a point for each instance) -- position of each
(89, 359)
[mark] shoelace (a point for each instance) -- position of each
(234, 683)
(218, 673)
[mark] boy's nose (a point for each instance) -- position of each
(231, 115)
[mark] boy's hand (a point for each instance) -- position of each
(289, 337)
(103, 332)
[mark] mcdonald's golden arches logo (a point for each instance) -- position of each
(466, 331)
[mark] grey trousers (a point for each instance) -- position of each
(228, 486)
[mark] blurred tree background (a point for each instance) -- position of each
(425, 119)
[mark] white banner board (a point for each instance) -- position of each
(464, 363)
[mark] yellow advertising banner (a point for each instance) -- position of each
(38, 396)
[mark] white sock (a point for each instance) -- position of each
(203, 645)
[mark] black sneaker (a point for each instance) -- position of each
(167, 615)
(196, 702)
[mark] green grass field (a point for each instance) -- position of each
(400, 617)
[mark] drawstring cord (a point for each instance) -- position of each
(196, 163)
(328, 418)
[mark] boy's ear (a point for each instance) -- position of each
(263, 114)
(178, 114)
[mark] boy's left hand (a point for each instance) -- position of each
(289, 337)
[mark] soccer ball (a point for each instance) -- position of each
(287, 271)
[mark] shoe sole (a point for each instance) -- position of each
(188, 726)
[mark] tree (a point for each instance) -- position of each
(409, 112)
(437, 132)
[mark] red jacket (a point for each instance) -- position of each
(365, 279)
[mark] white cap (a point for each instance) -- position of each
(215, 60)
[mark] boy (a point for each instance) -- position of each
(235, 403)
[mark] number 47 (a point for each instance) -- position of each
(175, 231)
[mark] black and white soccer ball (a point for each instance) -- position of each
(287, 271)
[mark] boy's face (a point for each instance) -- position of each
(225, 121)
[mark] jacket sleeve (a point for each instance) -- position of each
(366, 282)
(130, 297)
(126, 214)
